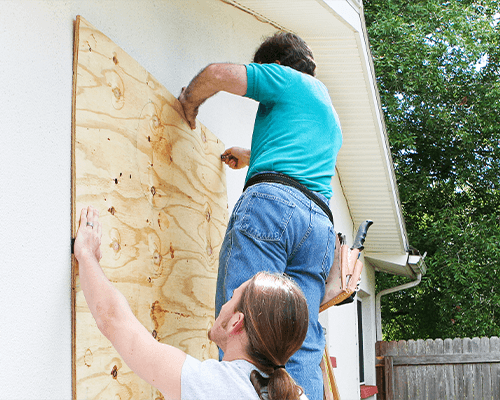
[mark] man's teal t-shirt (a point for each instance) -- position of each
(297, 131)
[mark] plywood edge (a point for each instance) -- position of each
(73, 205)
(76, 40)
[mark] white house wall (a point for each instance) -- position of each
(173, 40)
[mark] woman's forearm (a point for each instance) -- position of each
(107, 305)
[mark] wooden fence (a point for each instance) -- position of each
(461, 369)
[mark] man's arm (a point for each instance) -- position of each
(231, 78)
(158, 364)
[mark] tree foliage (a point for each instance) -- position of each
(438, 71)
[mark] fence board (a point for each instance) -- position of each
(455, 369)
(412, 375)
(495, 368)
(458, 371)
(389, 378)
(439, 383)
(476, 372)
(468, 371)
(449, 380)
(384, 369)
(400, 375)
(431, 371)
(420, 373)
(392, 349)
(484, 347)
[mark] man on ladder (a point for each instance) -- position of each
(282, 222)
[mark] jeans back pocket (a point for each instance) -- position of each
(266, 216)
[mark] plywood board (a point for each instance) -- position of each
(160, 189)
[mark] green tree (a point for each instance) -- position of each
(438, 71)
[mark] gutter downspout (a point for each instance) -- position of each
(378, 307)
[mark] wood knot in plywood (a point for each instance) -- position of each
(157, 314)
(115, 242)
(117, 92)
(163, 220)
(155, 122)
(111, 210)
(88, 358)
(208, 212)
(115, 82)
(151, 82)
(114, 372)
(115, 246)
(90, 43)
(157, 258)
(171, 250)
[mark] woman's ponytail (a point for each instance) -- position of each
(276, 321)
(279, 386)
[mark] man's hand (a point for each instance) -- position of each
(236, 157)
(88, 238)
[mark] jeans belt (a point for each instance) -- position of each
(276, 177)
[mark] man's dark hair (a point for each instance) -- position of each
(276, 321)
(289, 49)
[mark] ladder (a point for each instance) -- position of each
(331, 391)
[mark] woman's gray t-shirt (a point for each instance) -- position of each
(217, 380)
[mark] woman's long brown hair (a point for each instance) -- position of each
(276, 320)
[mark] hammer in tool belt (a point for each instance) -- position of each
(343, 281)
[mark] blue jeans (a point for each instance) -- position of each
(276, 228)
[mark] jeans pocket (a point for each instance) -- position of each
(266, 217)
